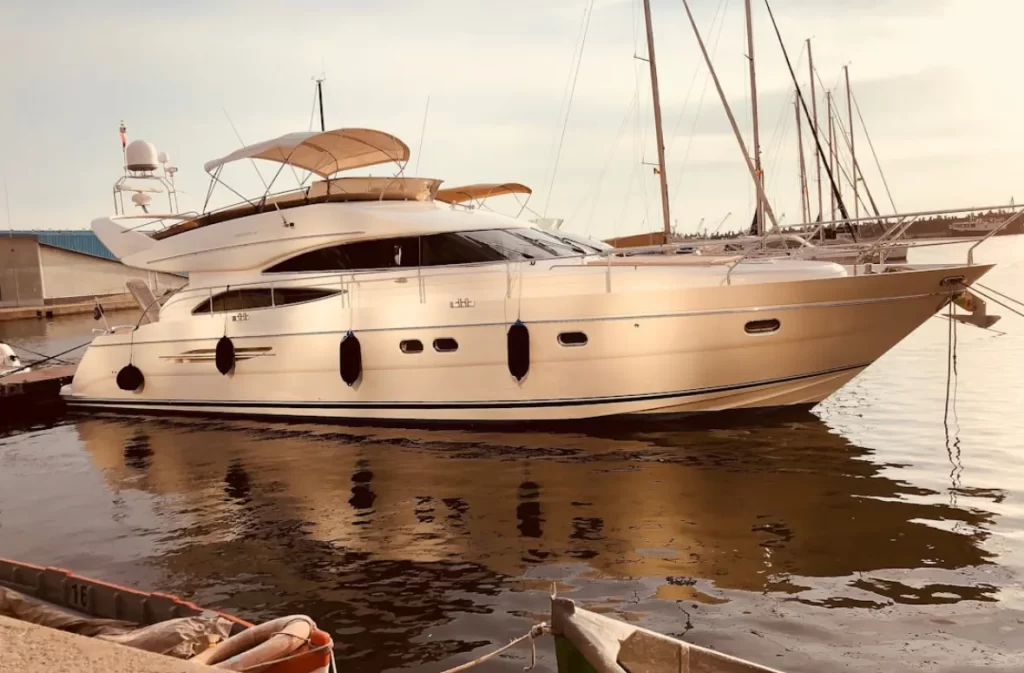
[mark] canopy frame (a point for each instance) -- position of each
(480, 192)
(318, 157)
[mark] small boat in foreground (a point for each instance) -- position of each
(588, 642)
(59, 599)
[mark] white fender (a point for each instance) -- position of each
(262, 644)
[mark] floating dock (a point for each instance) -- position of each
(31, 390)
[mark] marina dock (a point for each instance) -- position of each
(33, 389)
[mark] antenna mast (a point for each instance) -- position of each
(320, 99)
(657, 122)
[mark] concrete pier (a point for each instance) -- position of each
(27, 648)
(120, 303)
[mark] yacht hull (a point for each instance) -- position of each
(669, 351)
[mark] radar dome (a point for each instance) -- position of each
(163, 158)
(140, 156)
(141, 200)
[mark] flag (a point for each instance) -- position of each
(657, 171)
(97, 312)
(124, 138)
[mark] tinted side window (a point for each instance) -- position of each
(235, 300)
(446, 249)
(468, 247)
(246, 299)
(295, 295)
(378, 254)
(510, 244)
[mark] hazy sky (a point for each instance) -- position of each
(938, 83)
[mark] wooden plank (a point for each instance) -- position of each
(59, 372)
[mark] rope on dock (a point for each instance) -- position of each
(39, 362)
(538, 630)
(41, 355)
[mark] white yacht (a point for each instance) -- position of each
(975, 226)
(371, 298)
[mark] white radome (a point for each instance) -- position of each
(141, 156)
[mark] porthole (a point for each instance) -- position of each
(572, 339)
(411, 346)
(446, 345)
(763, 326)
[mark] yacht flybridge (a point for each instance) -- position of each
(374, 298)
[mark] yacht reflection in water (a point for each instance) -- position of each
(380, 534)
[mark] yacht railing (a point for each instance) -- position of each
(1007, 222)
(890, 238)
(348, 283)
(156, 218)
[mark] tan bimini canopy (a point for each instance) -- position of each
(480, 191)
(323, 152)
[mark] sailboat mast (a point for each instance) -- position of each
(732, 118)
(753, 116)
(815, 129)
(853, 152)
(805, 206)
(657, 121)
(831, 151)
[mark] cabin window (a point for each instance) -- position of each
(236, 300)
(256, 298)
(411, 346)
(763, 326)
(572, 339)
(446, 345)
(297, 295)
(467, 247)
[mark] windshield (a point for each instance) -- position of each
(585, 242)
(443, 249)
(551, 242)
(515, 244)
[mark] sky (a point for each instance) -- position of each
(937, 82)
